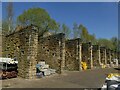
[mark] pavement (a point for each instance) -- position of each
(69, 79)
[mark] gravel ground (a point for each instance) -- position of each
(69, 79)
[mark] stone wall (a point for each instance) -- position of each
(96, 56)
(112, 56)
(87, 54)
(51, 50)
(22, 45)
(12, 43)
(73, 54)
(28, 48)
(108, 56)
(102, 53)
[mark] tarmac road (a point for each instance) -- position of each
(69, 79)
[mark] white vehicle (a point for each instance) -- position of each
(8, 61)
(8, 68)
(112, 82)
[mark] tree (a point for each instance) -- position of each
(105, 42)
(39, 17)
(115, 41)
(92, 38)
(66, 30)
(9, 9)
(75, 30)
(58, 29)
(80, 27)
(5, 27)
(84, 35)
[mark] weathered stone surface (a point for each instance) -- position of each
(102, 53)
(86, 54)
(108, 56)
(28, 48)
(51, 50)
(96, 56)
(22, 45)
(72, 55)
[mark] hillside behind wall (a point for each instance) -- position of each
(73, 54)
(22, 45)
(51, 49)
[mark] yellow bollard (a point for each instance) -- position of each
(84, 65)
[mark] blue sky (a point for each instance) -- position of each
(99, 18)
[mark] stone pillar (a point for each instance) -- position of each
(80, 54)
(102, 50)
(91, 57)
(110, 56)
(33, 45)
(116, 57)
(28, 53)
(105, 57)
(99, 56)
(80, 57)
(62, 52)
(96, 56)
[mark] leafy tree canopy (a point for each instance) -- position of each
(85, 35)
(75, 30)
(66, 30)
(39, 17)
(105, 42)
